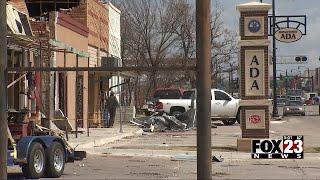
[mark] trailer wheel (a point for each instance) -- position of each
(55, 160)
(36, 159)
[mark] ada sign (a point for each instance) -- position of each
(288, 35)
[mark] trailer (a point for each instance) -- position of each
(40, 155)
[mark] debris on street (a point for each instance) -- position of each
(162, 122)
(217, 159)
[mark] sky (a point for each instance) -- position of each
(308, 45)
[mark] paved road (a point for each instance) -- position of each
(171, 155)
(131, 167)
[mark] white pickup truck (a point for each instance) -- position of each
(223, 106)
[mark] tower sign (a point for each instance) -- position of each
(254, 84)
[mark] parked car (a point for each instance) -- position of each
(294, 108)
(316, 100)
(223, 106)
(281, 101)
(295, 98)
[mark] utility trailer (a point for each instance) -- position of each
(40, 155)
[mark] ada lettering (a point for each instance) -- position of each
(254, 73)
(288, 36)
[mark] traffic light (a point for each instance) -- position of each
(301, 58)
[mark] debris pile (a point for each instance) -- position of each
(162, 122)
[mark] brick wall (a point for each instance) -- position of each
(44, 29)
(95, 16)
(39, 27)
(79, 13)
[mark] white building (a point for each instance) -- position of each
(115, 45)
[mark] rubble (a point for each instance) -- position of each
(217, 158)
(162, 122)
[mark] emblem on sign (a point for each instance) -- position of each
(254, 26)
(288, 35)
(255, 119)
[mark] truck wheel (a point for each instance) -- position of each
(176, 113)
(55, 161)
(36, 159)
(229, 121)
(238, 117)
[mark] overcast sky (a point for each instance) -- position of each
(309, 45)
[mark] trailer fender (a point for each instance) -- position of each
(25, 143)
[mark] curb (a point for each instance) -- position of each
(102, 141)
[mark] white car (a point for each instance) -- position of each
(223, 106)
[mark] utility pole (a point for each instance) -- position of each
(309, 89)
(286, 84)
(3, 91)
(204, 163)
(274, 58)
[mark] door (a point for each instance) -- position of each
(223, 106)
(80, 101)
(62, 84)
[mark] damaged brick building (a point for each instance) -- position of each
(67, 31)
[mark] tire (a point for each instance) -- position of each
(36, 159)
(56, 160)
(303, 114)
(176, 113)
(238, 117)
(229, 122)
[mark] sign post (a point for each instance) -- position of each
(254, 68)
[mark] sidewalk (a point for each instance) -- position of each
(101, 136)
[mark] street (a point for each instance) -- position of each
(172, 155)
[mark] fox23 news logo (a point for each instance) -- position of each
(290, 147)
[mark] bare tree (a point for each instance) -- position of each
(223, 45)
(163, 32)
(148, 34)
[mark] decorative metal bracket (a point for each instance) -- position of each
(296, 22)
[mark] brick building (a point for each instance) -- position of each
(94, 15)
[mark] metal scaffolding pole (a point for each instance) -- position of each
(204, 166)
(76, 98)
(120, 108)
(3, 91)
